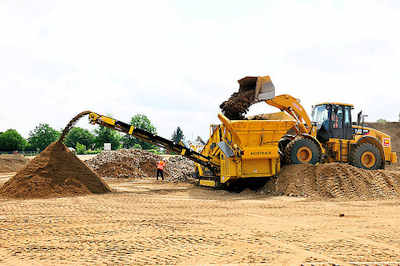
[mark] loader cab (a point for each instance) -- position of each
(333, 120)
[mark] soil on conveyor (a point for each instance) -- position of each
(55, 172)
(335, 180)
(238, 103)
(71, 123)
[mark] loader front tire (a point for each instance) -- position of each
(302, 151)
(366, 156)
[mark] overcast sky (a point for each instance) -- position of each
(176, 61)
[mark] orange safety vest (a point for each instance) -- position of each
(160, 165)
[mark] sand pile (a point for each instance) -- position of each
(135, 163)
(54, 172)
(335, 180)
(12, 162)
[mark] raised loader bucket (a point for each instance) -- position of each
(262, 86)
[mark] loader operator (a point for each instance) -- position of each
(160, 168)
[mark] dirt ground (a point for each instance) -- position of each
(149, 222)
(12, 162)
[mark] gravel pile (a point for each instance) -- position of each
(179, 169)
(135, 163)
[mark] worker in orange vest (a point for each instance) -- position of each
(160, 168)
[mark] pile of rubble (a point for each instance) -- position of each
(179, 169)
(135, 163)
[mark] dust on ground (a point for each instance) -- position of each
(12, 162)
(147, 222)
(54, 172)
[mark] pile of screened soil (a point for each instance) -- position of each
(55, 172)
(335, 180)
(12, 162)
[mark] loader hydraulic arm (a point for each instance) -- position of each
(293, 107)
(264, 90)
(148, 137)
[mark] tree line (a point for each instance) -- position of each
(82, 140)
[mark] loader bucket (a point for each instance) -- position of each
(261, 85)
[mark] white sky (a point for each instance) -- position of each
(176, 61)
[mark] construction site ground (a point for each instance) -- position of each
(150, 222)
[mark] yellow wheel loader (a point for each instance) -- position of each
(330, 135)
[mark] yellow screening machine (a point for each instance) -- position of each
(250, 150)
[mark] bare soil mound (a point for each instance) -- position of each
(335, 180)
(54, 172)
(390, 128)
(12, 162)
(135, 163)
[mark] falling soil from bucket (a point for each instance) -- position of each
(239, 102)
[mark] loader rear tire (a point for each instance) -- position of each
(302, 151)
(282, 147)
(366, 156)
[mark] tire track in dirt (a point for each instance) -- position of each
(299, 255)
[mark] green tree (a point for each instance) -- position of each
(143, 122)
(81, 136)
(80, 148)
(11, 140)
(381, 121)
(136, 146)
(106, 135)
(42, 136)
(177, 135)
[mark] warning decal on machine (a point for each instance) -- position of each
(386, 142)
